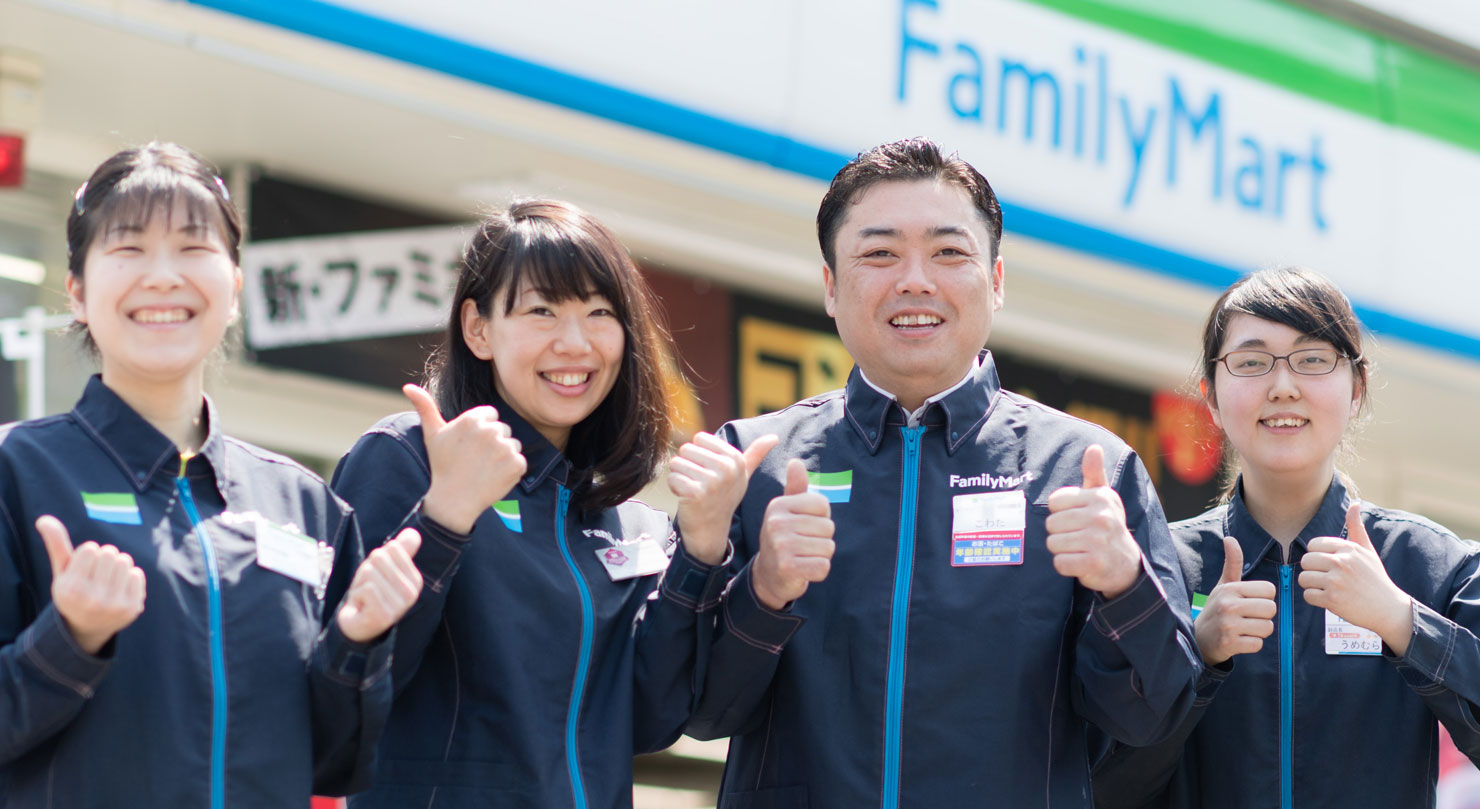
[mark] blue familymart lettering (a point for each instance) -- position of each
(1188, 129)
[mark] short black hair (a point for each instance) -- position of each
(903, 160)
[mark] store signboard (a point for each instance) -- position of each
(357, 285)
(1095, 139)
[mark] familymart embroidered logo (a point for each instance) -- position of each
(835, 486)
(119, 508)
(1198, 602)
(508, 511)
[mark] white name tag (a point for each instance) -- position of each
(643, 556)
(290, 553)
(1343, 638)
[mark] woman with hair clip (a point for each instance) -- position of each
(1336, 633)
(166, 591)
(556, 636)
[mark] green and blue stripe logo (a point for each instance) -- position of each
(508, 511)
(119, 508)
(835, 486)
(1198, 602)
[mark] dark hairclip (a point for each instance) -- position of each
(77, 198)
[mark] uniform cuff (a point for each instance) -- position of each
(351, 663)
(692, 583)
(440, 553)
(48, 645)
(1429, 649)
(753, 622)
(1116, 616)
(1208, 681)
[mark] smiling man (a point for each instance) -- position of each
(940, 583)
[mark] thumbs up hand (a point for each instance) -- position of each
(96, 588)
(1346, 576)
(708, 476)
(796, 545)
(1239, 614)
(385, 586)
(475, 461)
(1087, 534)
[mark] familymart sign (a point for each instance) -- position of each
(1122, 142)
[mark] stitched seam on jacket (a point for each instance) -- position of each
(82, 688)
(756, 642)
(1116, 633)
(456, 695)
(1448, 655)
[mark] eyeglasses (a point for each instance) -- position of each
(1307, 361)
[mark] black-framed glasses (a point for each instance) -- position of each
(1306, 361)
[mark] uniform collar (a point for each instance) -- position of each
(1329, 521)
(140, 450)
(959, 409)
(542, 460)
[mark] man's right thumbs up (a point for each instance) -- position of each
(475, 461)
(796, 545)
(1238, 615)
(96, 588)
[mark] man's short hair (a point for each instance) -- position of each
(903, 161)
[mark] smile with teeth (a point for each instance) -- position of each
(161, 315)
(567, 379)
(1284, 422)
(915, 320)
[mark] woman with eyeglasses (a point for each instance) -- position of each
(1336, 633)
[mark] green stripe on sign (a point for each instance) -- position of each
(109, 499)
(843, 478)
(1306, 53)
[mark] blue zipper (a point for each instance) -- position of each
(218, 653)
(1287, 696)
(583, 661)
(904, 566)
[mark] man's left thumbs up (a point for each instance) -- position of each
(1087, 534)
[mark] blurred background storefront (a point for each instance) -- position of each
(1147, 153)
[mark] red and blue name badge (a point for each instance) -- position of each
(987, 529)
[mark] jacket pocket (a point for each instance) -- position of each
(779, 798)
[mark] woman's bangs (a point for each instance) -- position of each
(133, 204)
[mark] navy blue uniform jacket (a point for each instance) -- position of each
(1293, 726)
(228, 691)
(525, 676)
(906, 680)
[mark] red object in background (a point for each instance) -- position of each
(12, 160)
(326, 803)
(1459, 781)
(1191, 445)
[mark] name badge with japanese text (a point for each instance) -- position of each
(1343, 638)
(643, 556)
(987, 528)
